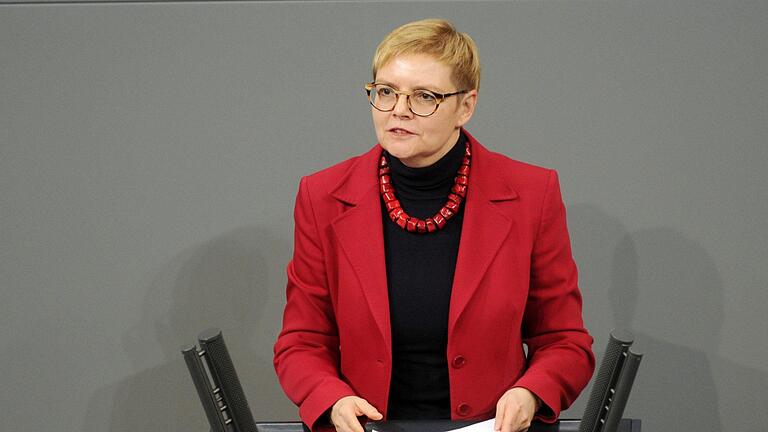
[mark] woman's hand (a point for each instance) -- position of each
(515, 409)
(346, 410)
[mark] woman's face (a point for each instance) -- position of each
(421, 141)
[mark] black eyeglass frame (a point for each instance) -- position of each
(440, 97)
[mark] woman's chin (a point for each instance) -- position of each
(398, 149)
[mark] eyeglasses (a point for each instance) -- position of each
(422, 103)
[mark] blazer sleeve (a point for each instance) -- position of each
(560, 358)
(306, 354)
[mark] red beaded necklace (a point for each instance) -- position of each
(436, 222)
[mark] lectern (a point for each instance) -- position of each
(227, 409)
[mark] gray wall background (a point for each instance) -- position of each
(150, 155)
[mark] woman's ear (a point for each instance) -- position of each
(467, 107)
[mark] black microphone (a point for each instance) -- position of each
(217, 385)
(623, 387)
(612, 385)
(218, 419)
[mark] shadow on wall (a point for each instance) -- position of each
(666, 289)
(594, 235)
(670, 292)
(683, 303)
(223, 283)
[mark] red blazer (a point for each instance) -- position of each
(515, 284)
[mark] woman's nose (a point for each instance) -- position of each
(401, 107)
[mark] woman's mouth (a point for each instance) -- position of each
(400, 132)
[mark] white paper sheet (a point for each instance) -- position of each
(485, 426)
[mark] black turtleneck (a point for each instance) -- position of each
(420, 269)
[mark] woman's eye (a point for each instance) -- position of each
(385, 91)
(425, 97)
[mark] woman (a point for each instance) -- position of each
(422, 266)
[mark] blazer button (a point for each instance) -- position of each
(463, 409)
(459, 362)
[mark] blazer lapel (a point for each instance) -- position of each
(359, 231)
(484, 230)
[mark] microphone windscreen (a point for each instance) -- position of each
(613, 357)
(621, 391)
(224, 376)
(203, 387)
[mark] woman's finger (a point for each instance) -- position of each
(351, 423)
(511, 422)
(501, 406)
(354, 425)
(343, 417)
(363, 407)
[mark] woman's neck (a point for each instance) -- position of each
(432, 181)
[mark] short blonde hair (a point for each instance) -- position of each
(438, 38)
